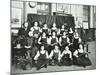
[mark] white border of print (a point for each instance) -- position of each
(5, 38)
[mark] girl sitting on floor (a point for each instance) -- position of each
(80, 58)
(41, 58)
(66, 57)
(55, 56)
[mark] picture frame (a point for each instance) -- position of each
(16, 17)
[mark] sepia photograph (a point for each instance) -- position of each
(52, 37)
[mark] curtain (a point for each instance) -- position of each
(49, 20)
(59, 21)
(36, 18)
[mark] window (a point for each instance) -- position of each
(85, 13)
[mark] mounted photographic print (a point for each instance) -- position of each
(52, 37)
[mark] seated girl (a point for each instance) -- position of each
(19, 50)
(35, 28)
(29, 40)
(31, 44)
(55, 56)
(41, 58)
(63, 41)
(66, 57)
(43, 40)
(80, 58)
(53, 41)
(45, 29)
(23, 31)
(70, 34)
(76, 31)
(76, 42)
(54, 28)
(62, 30)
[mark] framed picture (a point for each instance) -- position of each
(60, 7)
(43, 8)
(16, 16)
(85, 25)
(78, 22)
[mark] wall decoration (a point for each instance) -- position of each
(16, 17)
(43, 8)
(85, 25)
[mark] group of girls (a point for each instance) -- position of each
(50, 46)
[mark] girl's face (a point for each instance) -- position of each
(44, 34)
(70, 29)
(45, 25)
(80, 46)
(66, 48)
(76, 35)
(56, 47)
(63, 26)
(26, 25)
(53, 33)
(35, 24)
(42, 47)
(54, 25)
(64, 33)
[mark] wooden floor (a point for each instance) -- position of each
(92, 56)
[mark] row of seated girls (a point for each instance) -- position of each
(40, 47)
